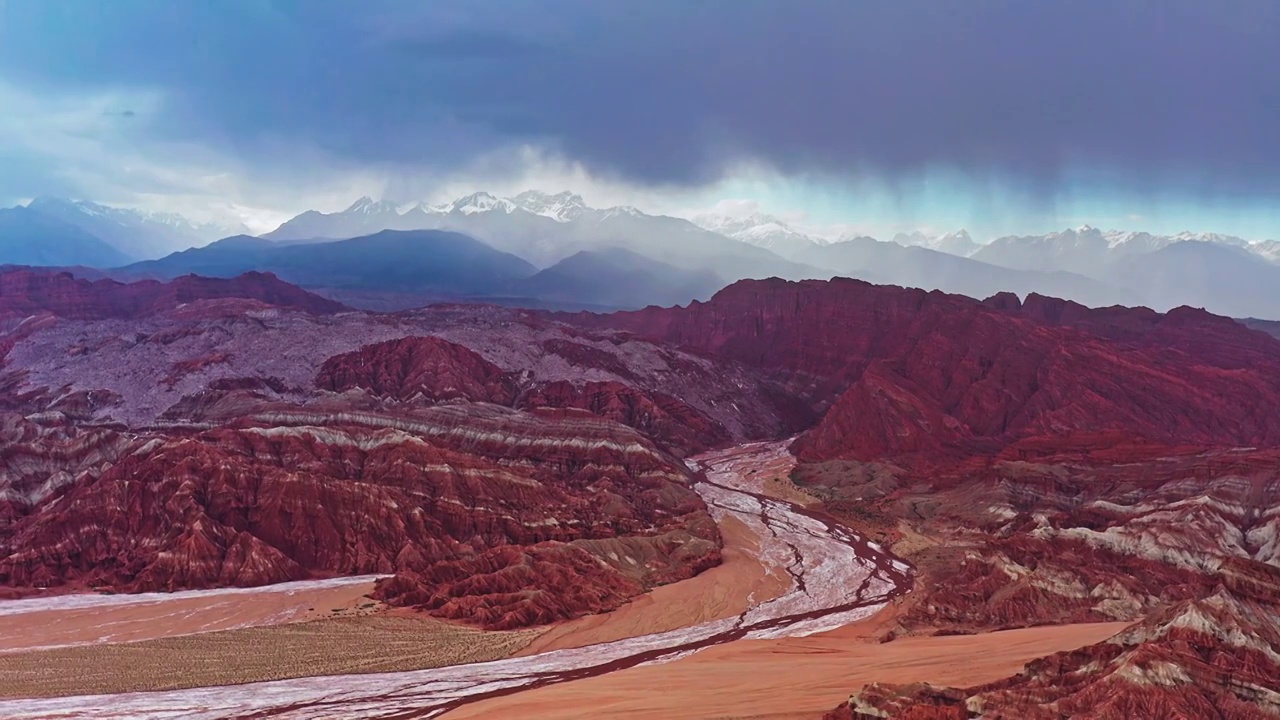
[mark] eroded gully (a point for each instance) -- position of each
(836, 577)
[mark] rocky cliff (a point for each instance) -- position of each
(939, 377)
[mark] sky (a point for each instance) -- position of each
(876, 117)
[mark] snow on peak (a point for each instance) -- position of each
(561, 207)
(957, 242)
(757, 229)
(133, 218)
(368, 206)
(1211, 237)
(480, 202)
(620, 210)
(1135, 241)
(1269, 249)
(732, 225)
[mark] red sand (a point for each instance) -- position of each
(789, 678)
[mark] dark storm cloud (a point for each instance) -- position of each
(1158, 92)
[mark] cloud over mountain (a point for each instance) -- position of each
(1144, 93)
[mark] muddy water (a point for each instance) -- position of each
(836, 577)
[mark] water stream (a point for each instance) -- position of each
(836, 577)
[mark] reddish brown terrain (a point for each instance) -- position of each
(1037, 463)
(24, 293)
(235, 433)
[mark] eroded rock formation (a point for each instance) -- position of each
(155, 443)
(1039, 462)
(942, 376)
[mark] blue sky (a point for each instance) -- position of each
(1003, 117)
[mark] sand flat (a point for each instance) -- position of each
(369, 644)
(71, 620)
(789, 678)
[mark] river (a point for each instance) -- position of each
(835, 577)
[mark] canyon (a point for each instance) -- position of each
(817, 468)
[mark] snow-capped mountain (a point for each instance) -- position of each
(28, 237)
(1084, 263)
(1090, 251)
(760, 230)
(562, 207)
(481, 202)
(545, 228)
(1221, 273)
(1269, 249)
(372, 208)
(1216, 238)
(364, 217)
(952, 243)
(136, 233)
(913, 265)
(1085, 250)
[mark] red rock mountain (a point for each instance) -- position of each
(1215, 656)
(1035, 460)
(910, 373)
(434, 370)
(26, 292)
(425, 367)
(476, 509)
(151, 441)
(1041, 462)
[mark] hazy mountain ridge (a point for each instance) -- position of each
(615, 278)
(1084, 264)
(28, 237)
(545, 229)
(139, 234)
(866, 258)
(1222, 273)
(954, 243)
(392, 260)
(760, 230)
(400, 269)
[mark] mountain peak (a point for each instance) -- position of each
(956, 242)
(623, 210)
(537, 196)
(563, 206)
(136, 233)
(478, 202)
(368, 206)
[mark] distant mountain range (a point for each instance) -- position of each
(28, 237)
(952, 243)
(614, 277)
(399, 261)
(140, 235)
(876, 261)
(544, 229)
(761, 230)
(538, 248)
(56, 231)
(399, 269)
